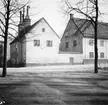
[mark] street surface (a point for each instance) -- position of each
(65, 85)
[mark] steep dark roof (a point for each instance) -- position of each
(28, 29)
(102, 31)
(22, 34)
(84, 26)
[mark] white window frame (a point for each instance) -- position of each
(43, 29)
(102, 55)
(36, 42)
(91, 55)
(49, 43)
(101, 43)
(91, 42)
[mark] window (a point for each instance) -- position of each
(49, 43)
(91, 55)
(36, 42)
(91, 42)
(101, 43)
(43, 29)
(74, 43)
(102, 55)
(14, 47)
(66, 44)
(66, 34)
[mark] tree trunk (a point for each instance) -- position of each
(96, 34)
(5, 40)
(5, 57)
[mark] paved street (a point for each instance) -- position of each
(60, 87)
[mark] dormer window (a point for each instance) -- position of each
(43, 29)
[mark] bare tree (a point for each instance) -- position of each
(96, 34)
(89, 10)
(8, 12)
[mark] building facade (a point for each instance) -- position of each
(78, 39)
(35, 44)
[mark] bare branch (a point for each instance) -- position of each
(1, 35)
(17, 8)
(2, 22)
(2, 14)
(12, 35)
(13, 29)
(93, 1)
(80, 2)
(2, 30)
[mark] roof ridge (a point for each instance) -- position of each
(29, 28)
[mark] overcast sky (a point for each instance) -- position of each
(51, 10)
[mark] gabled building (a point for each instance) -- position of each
(78, 39)
(35, 44)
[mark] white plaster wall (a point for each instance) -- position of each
(77, 58)
(42, 53)
(87, 48)
(106, 49)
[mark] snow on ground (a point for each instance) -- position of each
(54, 85)
(50, 68)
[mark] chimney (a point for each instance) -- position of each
(23, 13)
(27, 14)
(71, 16)
(27, 20)
(21, 21)
(20, 25)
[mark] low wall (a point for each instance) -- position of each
(91, 61)
(73, 58)
(56, 59)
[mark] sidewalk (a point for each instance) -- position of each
(51, 68)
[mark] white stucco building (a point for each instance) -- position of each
(42, 43)
(78, 41)
(35, 44)
(88, 49)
